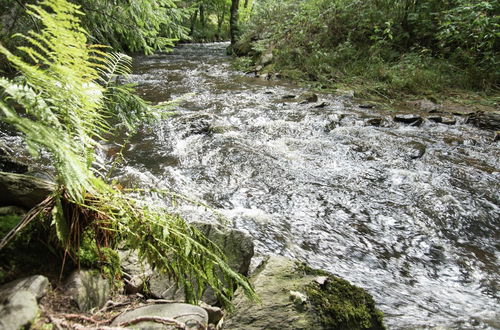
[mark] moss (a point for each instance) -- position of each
(105, 259)
(339, 304)
(7, 222)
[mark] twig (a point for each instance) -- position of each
(111, 304)
(55, 322)
(82, 317)
(162, 320)
(26, 220)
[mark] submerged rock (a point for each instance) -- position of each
(409, 119)
(308, 98)
(18, 301)
(23, 190)
(297, 297)
(88, 289)
(446, 120)
(193, 317)
(377, 121)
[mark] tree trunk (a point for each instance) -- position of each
(202, 16)
(233, 21)
(220, 21)
(193, 22)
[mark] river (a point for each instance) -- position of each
(409, 213)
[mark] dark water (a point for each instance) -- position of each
(409, 213)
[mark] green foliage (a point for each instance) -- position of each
(59, 107)
(428, 44)
(146, 26)
(91, 255)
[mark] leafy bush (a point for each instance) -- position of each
(408, 45)
(59, 107)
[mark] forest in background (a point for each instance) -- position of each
(381, 48)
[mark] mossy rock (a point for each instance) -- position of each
(295, 296)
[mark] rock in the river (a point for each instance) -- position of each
(297, 297)
(18, 301)
(193, 317)
(23, 190)
(88, 289)
(321, 105)
(485, 120)
(409, 119)
(308, 98)
(236, 245)
(446, 120)
(377, 121)
(7, 164)
(414, 149)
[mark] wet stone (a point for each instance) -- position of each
(321, 105)
(485, 120)
(409, 119)
(88, 289)
(308, 98)
(415, 150)
(193, 317)
(373, 122)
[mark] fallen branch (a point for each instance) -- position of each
(111, 304)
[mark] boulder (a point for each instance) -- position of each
(425, 105)
(88, 289)
(485, 120)
(295, 296)
(414, 149)
(375, 121)
(36, 284)
(136, 273)
(193, 317)
(446, 120)
(23, 190)
(236, 245)
(308, 97)
(409, 119)
(18, 301)
(18, 310)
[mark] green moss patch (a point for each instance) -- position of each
(339, 304)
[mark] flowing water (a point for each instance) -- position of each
(409, 213)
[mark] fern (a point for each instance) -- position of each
(68, 91)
